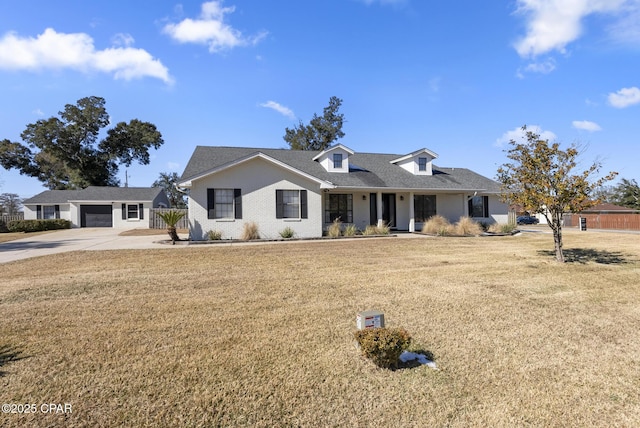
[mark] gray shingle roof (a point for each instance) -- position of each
(367, 170)
(96, 194)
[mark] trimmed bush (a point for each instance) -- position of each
(38, 225)
(383, 345)
(214, 235)
(250, 231)
(287, 233)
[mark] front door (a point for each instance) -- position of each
(389, 209)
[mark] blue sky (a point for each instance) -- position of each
(459, 78)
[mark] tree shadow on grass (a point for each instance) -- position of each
(9, 354)
(586, 255)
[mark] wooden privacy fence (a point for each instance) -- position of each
(605, 221)
(155, 222)
(5, 218)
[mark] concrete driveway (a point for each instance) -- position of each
(76, 240)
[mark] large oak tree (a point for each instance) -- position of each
(543, 179)
(321, 132)
(66, 152)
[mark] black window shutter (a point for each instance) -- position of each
(303, 204)
(279, 204)
(141, 211)
(485, 203)
(237, 197)
(38, 212)
(470, 212)
(57, 210)
(124, 211)
(211, 203)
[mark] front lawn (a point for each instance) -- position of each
(262, 335)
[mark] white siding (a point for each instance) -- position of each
(258, 180)
(130, 223)
(31, 213)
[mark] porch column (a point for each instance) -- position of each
(379, 208)
(412, 219)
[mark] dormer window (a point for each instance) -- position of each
(417, 163)
(337, 160)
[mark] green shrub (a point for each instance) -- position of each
(250, 231)
(38, 225)
(214, 235)
(335, 229)
(350, 230)
(383, 345)
(3, 227)
(287, 233)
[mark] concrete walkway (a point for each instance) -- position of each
(76, 240)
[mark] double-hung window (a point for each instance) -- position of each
(479, 206)
(337, 160)
(48, 212)
(338, 206)
(422, 164)
(291, 204)
(424, 207)
(224, 203)
(132, 211)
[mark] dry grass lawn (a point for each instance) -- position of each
(262, 335)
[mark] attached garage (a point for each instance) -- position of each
(96, 216)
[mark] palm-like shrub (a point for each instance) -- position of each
(171, 218)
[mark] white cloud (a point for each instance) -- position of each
(586, 125)
(210, 29)
(122, 39)
(625, 97)
(173, 166)
(519, 136)
(285, 111)
(553, 24)
(52, 50)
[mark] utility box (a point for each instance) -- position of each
(369, 319)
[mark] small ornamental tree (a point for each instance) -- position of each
(171, 219)
(542, 178)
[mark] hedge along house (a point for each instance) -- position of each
(308, 190)
(117, 207)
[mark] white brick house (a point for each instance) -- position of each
(307, 191)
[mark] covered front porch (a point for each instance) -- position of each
(404, 210)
